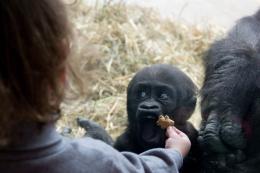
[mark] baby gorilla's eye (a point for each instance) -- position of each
(163, 96)
(143, 94)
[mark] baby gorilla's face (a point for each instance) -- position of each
(153, 99)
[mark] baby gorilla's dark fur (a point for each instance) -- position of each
(230, 132)
(154, 91)
(95, 131)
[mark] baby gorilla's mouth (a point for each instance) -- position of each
(149, 131)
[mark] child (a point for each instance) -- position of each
(33, 50)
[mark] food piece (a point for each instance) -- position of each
(164, 122)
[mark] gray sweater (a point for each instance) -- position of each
(48, 152)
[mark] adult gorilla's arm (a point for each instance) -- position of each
(227, 93)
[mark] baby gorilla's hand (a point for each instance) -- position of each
(94, 130)
(177, 140)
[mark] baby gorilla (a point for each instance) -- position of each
(154, 91)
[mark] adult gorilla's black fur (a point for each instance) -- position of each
(230, 132)
(157, 90)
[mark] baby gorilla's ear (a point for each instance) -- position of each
(184, 112)
(95, 131)
(191, 103)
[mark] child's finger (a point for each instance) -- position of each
(169, 142)
(179, 132)
(176, 130)
(171, 132)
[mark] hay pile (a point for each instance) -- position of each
(113, 41)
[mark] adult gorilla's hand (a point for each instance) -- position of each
(222, 135)
(219, 133)
(209, 135)
(231, 131)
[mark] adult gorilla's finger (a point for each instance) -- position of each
(210, 139)
(231, 132)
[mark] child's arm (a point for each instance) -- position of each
(177, 140)
(157, 160)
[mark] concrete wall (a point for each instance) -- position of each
(203, 12)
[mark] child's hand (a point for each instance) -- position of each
(177, 140)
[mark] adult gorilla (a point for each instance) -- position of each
(153, 91)
(230, 133)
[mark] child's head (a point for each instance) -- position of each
(33, 50)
